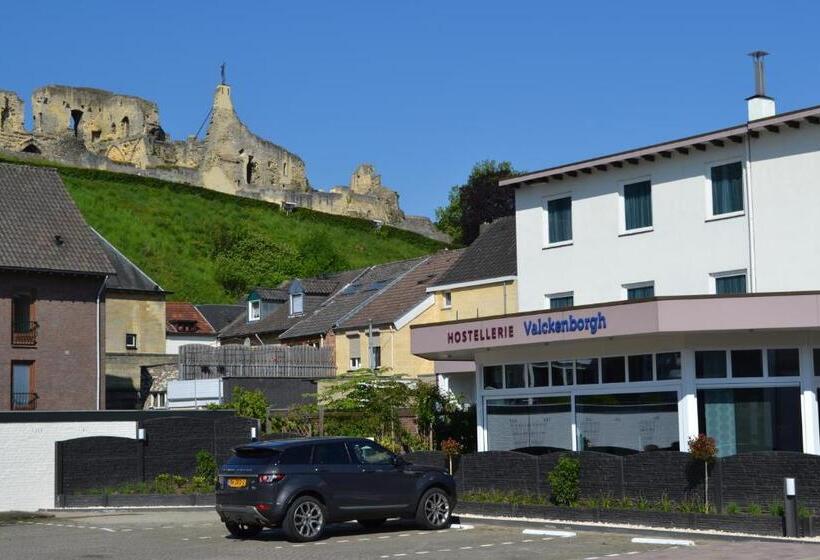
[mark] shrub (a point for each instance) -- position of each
(164, 484)
(451, 448)
(564, 481)
(732, 508)
(665, 504)
(205, 466)
(754, 509)
(804, 513)
(776, 510)
(201, 484)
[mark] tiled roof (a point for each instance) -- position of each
(492, 255)
(41, 229)
(129, 276)
(404, 295)
(277, 319)
(361, 290)
(184, 318)
(220, 315)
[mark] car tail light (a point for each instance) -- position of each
(263, 507)
(270, 478)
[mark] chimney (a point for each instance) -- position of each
(760, 105)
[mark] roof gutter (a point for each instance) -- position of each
(472, 283)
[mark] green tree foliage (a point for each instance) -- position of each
(477, 201)
(250, 404)
(564, 480)
(318, 255)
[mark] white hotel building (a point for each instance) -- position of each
(663, 292)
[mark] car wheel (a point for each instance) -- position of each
(305, 519)
(371, 523)
(434, 509)
(243, 530)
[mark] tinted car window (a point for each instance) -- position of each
(299, 455)
(370, 453)
(330, 454)
(253, 456)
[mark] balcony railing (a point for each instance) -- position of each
(24, 401)
(24, 336)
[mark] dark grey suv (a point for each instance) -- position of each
(304, 484)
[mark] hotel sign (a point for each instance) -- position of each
(530, 327)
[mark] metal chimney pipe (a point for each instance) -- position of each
(760, 72)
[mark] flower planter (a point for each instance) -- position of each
(134, 500)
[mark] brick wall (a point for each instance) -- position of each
(280, 392)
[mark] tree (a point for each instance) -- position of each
(318, 255)
(479, 200)
(251, 404)
(703, 448)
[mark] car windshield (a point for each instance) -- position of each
(253, 456)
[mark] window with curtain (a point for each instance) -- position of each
(638, 205)
(355, 351)
(559, 219)
(727, 188)
(735, 284)
(529, 422)
(561, 302)
(641, 292)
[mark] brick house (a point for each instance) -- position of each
(52, 276)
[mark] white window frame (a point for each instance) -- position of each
(622, 231)
(546, 221)
(446, 300)
(626, 287)
(710, 214)
(133, 345)
(548, 297)
(258, 307)
(301, 299)
(751, 382)
(713, 276)
(355, 363)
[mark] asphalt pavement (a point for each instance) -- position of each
(198, 535)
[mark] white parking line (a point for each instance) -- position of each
(551, 533)
(486, 545)
(670, 542)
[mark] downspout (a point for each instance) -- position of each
(99, 352)
(750, 211)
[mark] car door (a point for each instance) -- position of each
(383, 486)
(337, 474)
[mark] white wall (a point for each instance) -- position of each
(27, 458)
(174, 342)
(684, 247)
(193, 393)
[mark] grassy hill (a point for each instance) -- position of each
(209, 247)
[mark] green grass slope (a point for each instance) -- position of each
(211, 247)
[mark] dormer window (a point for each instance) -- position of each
(254, 310)
(297, 304)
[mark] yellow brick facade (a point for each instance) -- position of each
(141, 314)
(475, 301)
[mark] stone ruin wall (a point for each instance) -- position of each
(93, 128)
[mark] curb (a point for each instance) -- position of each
(629, 529)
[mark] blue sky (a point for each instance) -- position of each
(424, 89)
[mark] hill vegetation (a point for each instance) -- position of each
(209, 247)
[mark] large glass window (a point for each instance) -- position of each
(710, 364)
(667, 365)
(746, 420)
(529, 422)
(784, 362)
(638, 205)
(514, 376)
(729, 285)
(640, 367)
(613, 370)
(562, 372)
(559, 219)
(494, 377)
(747, 363)
(586, 371)
(641, 292)
(727, 188)
(627, 423)
(540, 374)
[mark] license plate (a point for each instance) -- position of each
(237, 482)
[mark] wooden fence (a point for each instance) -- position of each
(198, 361)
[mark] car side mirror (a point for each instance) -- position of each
(397, 461)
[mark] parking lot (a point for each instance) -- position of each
(198, 535)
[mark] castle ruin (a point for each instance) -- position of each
(97, 129)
